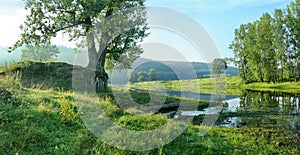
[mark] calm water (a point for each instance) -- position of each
(198, 96)
(274, 110)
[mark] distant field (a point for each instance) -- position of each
(234, 85)
(203, 85)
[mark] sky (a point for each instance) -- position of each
(218, 17)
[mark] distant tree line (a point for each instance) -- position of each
(219, 66)
(42, 52)
(141, 76)
(267, 50)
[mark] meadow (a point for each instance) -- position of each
(234, 85)
(41, 117)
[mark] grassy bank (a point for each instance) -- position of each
(204, 85)
(46, 120)
(33, 122)
(293, 87)
(234, 86)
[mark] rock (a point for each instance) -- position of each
(5, 94)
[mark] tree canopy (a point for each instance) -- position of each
(267, 50)
(109, 29)
(152, 75)
(219, 66)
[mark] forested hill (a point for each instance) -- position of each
(174, 70)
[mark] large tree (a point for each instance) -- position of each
(239, 50)
(280, 43)
(292, 20)
(110, 29)
(265, 46)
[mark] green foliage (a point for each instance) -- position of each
(110, 30)
(133, 77)
(35, 127)
(68, 109)
(30, 123)
(165, 69)
(267, 50)
(40, 74)
(219, 66)
(152, 75)
(41, 52)
(142, 77)
(12, 75)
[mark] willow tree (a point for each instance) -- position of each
(109, 29)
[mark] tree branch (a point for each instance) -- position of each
(69, 26)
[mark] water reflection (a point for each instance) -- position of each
(274, 110)
(277, 102)
(197, 96)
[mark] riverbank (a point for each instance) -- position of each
(292, 87)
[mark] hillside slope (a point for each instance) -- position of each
(43, 75)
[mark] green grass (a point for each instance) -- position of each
(292, 87)
(204, 85)
(234, 86)
(32, 124)
(44, 121)
(42, 75)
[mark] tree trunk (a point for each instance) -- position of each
(96, 65)
(92, 53)
(101, 75)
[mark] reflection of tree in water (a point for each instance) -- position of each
(286, 103)
(266, 109)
